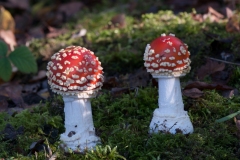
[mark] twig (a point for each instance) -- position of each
(219, 60)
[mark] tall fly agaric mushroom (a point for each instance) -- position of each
(167, 59)
(76, 74)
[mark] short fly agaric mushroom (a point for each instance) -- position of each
(167, 59)
(76, 74)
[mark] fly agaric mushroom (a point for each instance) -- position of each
(76, 74)
(167, 59)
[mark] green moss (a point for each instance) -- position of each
(129, 117)
(124, 122)
(33, 123)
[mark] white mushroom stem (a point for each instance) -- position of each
(80, 132)
(170, 116)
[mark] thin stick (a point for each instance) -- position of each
(219, 60)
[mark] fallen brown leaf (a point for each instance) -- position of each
(193, 93)
(203, 85)
(6, 20)
(233, 23)
(212, 11)
(13, 90)
(209, 68)
(203, 6)
(229, 12)
(209, 10)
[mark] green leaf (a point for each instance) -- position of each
(5, 69)
(228, 117)
(3, 49)
(23, 59)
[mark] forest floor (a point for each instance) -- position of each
(32, 117)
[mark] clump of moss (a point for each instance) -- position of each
(126, 124)
(33, 128)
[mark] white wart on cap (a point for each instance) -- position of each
(75, 70)
(167, 56)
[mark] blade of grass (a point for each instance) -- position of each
(227, 117)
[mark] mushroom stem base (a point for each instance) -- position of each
(170, 116)
(78, 146)
(79, 129)
(172, 125)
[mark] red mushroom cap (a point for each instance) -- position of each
(167, 56)
(75, 71)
